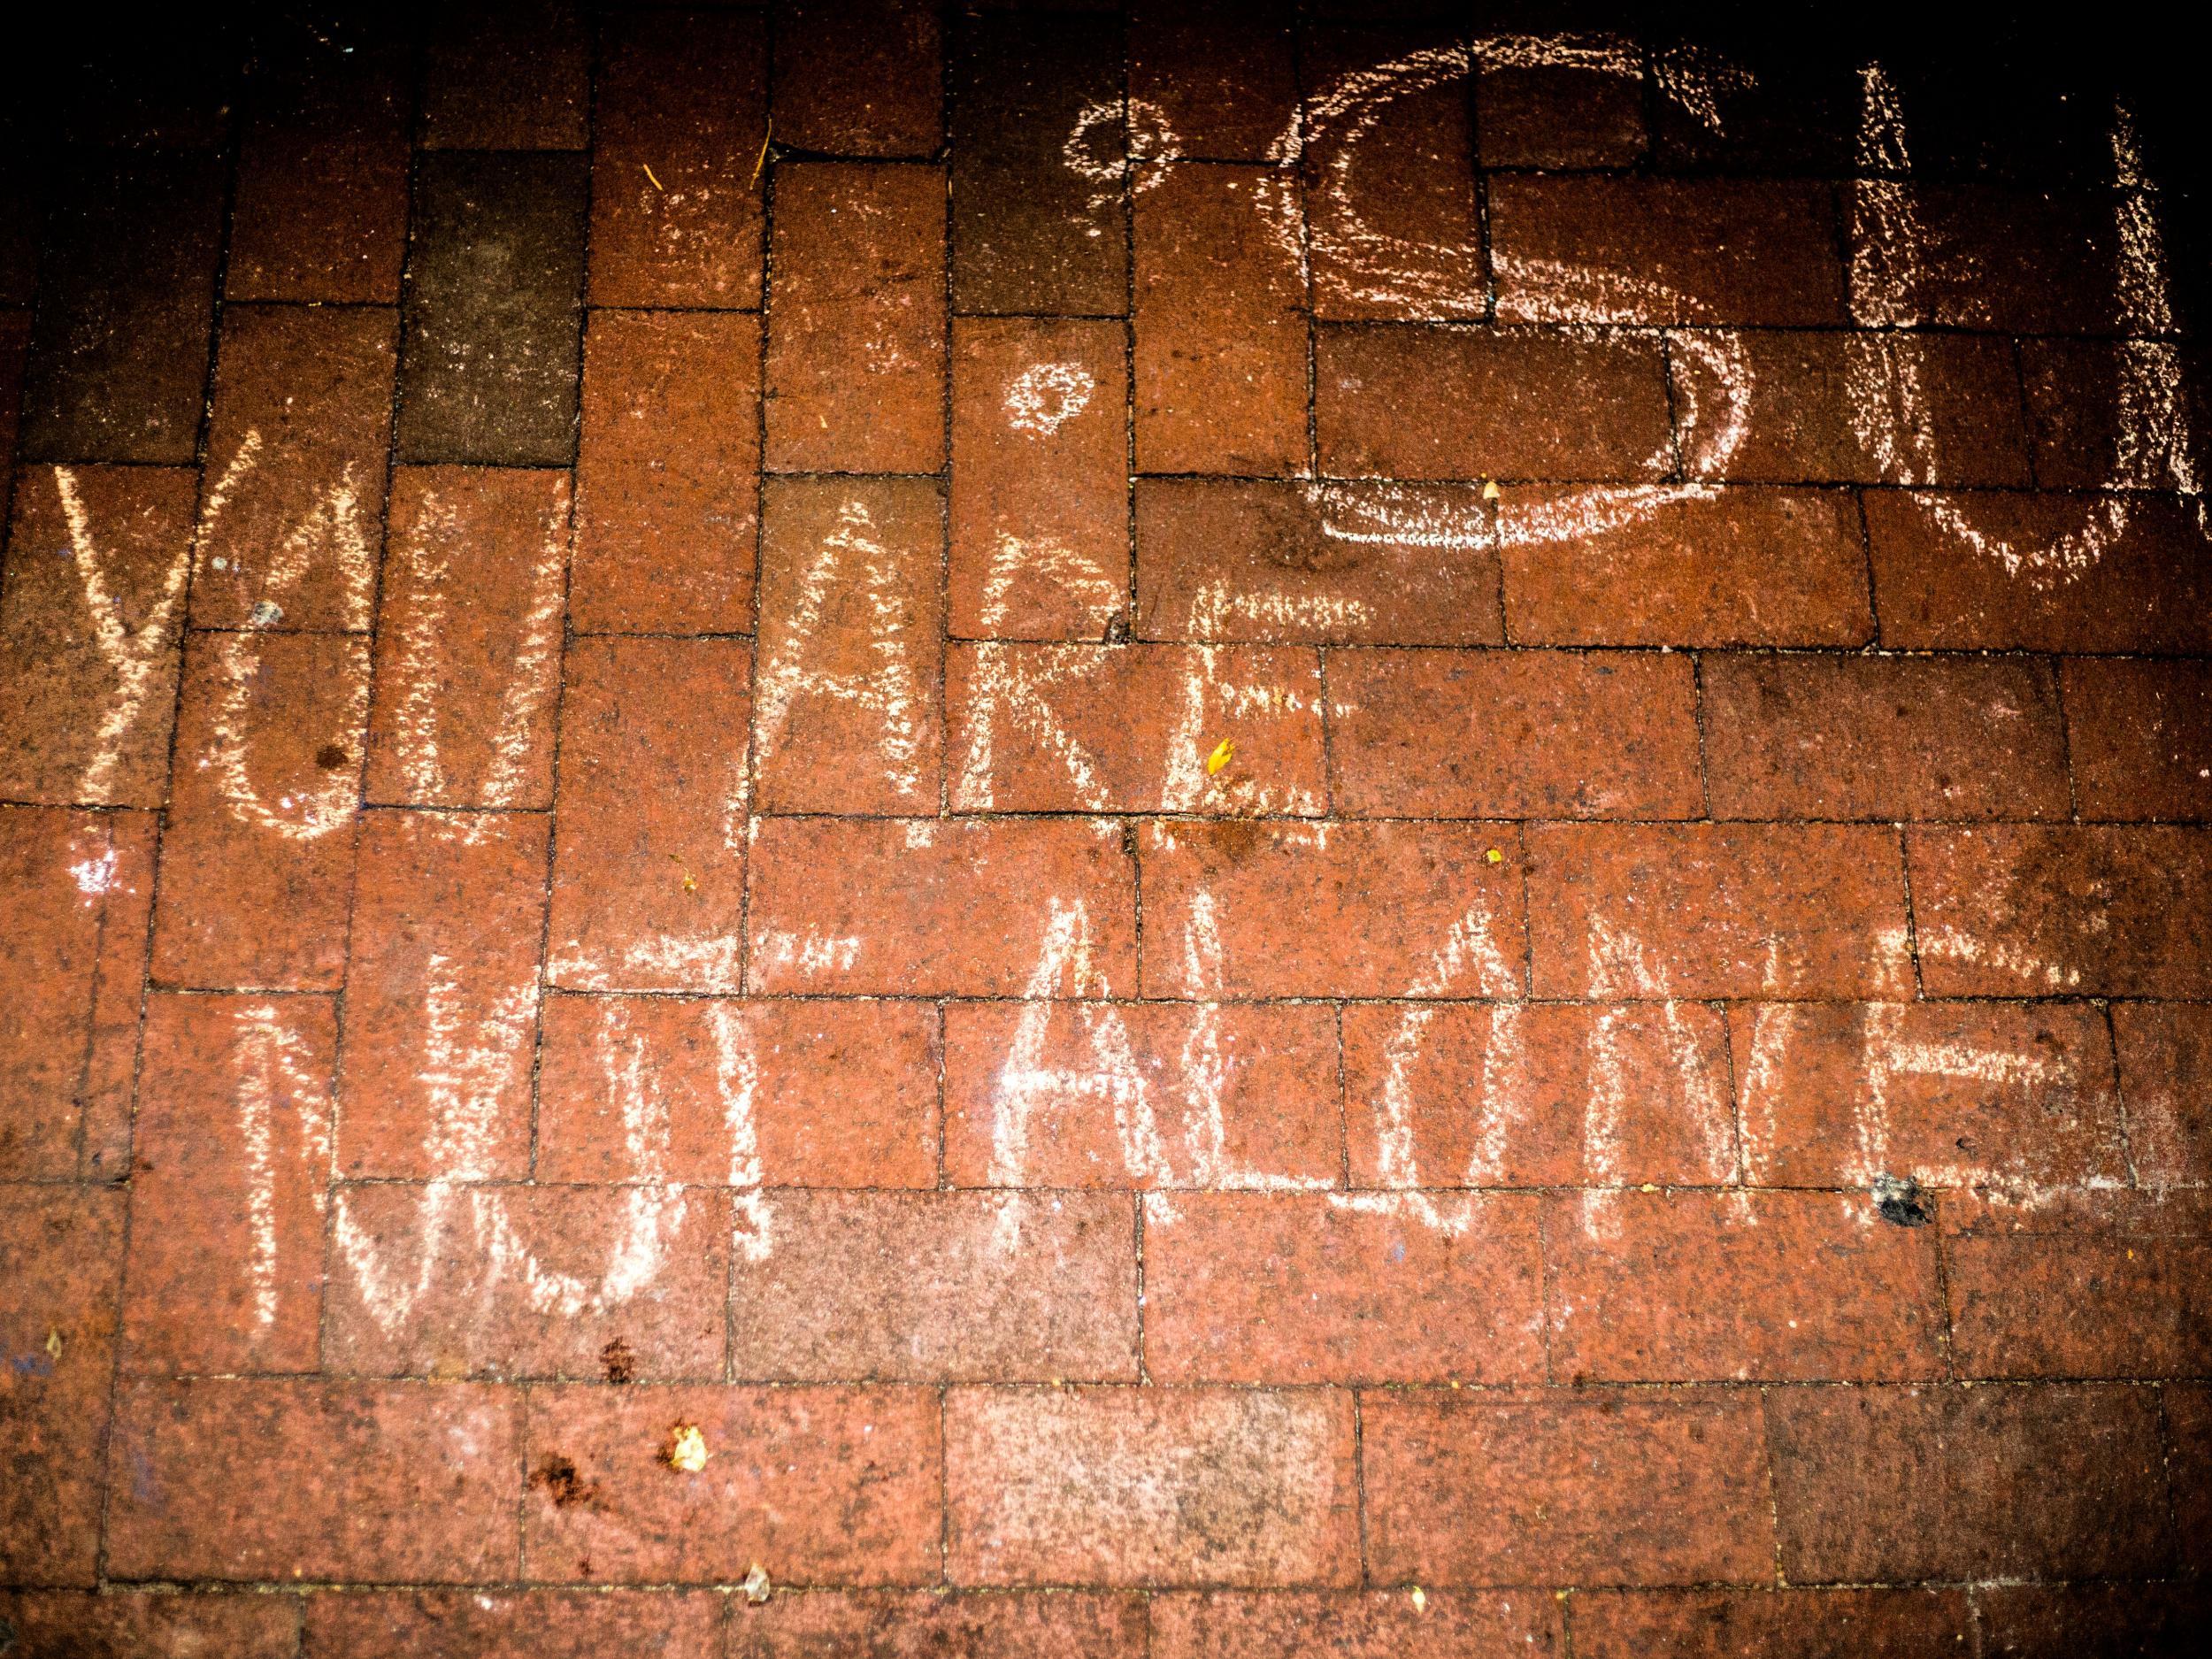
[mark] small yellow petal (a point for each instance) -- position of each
(1420, 1598)
(1490, 490)
(1494, 857)
(686, 1448)
(1220, 757)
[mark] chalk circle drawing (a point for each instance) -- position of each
(1045, 396)
(1114, 142)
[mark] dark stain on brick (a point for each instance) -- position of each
(491, 366)
(1901, 1201)
(619, 1361)
(557, 1476)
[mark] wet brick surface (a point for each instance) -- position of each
(1102, 830)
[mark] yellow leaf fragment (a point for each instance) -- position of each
(657, 185)
(53, 1337)
(1490, 490)
(1420, 1598)
(686, 1449)
(1494, 857)
(691, 883)
(757, 1589)
(1223, 752)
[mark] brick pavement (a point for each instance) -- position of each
(1253, 833)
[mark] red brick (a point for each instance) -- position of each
(2153, 1621)
(2018, 1096)
(1333, 564)
(934, 1286)
(1796, 111)
(1513, 735)
(1717, 910)
(149, 1624)
(851, 613)
(2188, 1413)
(2139, 736)
(515, 75)
(118, 366)
(256, 868)
(1150, 1486)
(1360, 1625)
(228, 1197)
(441, 1017)
(15, 345)
(1220, 329)
(1806, 1623)
(1390, 221)
(18, 254)
(2012, 572)
(1550, 116)
(77, 888)
(1011, 907)
(2165, 1054)
(1882, 737)
(1333, 910)
(1699, 566)
(2086, 433)
(61, 1254)
(1891, 1484)
(1219, 75)
(453, 1280)
(1523, 404)
(667, 473)
(2034, 910)
(2012, 260)
(856, 322)
(648, 860)
(491, 373)
(1536, 1487)
(85, 704)
(859, 81)
(817, 1485)
(686, 95)
(2092, 1284)
(274, 1478)
(812, 1094)
(1569, 1093)
(1709, 1287)
(514, 1624)
(1822, 408)
(468, 666)
(1665, 250)
(321, 208)
(924, 1623)
(1304, 1287)
(296, 452)
(1134, 728)
(1040, 477)
(1039, 166)
(1147, 1095)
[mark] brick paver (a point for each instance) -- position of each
(1098, 830)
